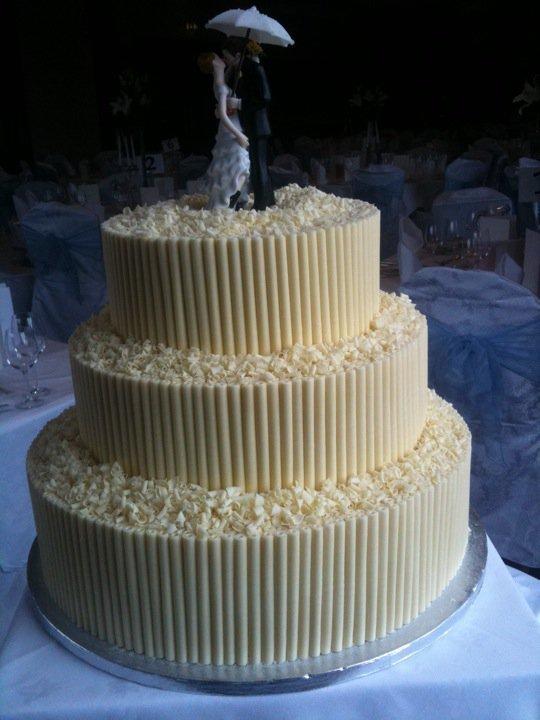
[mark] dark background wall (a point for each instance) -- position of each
(443, 65)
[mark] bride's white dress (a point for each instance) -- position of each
(229, 170)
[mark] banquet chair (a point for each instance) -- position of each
(531, 262)
(507, 267)
(191, 168)
(64, 245)
(382, 185)
(484, 358)
(61, 164)
(281, 177)
(20, 286)
(465, 173)
(38, 191)
(287, 161)
(410, 241)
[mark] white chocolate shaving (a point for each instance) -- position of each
(96, 344)
(297, 210)
(66, 473)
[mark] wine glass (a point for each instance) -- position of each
(37, 390)
(431, 240)
(21, 351)
(454, 240)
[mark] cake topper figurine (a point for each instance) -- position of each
(228, 174)
(250, 95)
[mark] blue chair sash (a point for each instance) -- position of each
(468, 369)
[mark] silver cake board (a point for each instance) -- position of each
(358, 661)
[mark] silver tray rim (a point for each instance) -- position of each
(299, 675)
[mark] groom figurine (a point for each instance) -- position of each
(252, 103)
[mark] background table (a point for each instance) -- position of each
(17, 430)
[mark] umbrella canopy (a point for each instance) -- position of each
(259, 27)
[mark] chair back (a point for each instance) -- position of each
(484, 358)
(382, 185)
(465, 173)
(410, 242)
(37, 191)
(64, 245)
(531, 262)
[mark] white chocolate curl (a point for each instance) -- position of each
(97, 344)
(67, 474)
(297, 210)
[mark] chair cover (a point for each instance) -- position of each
(484, 358)
(281, 177)
(410, 241)
(37, 191)
(318, 172)
(459, 205)
(287, 161)
(465, 173)
(531, 262)
(20, 286)
(191, 168)
(64, 244)
(382, 185)
(8, 185)
(507, 267)
(528, 162)
(61, 164)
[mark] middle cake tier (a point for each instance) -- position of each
(304, 416)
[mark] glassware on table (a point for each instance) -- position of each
(431, 240)
(38, 390)
(486, 251)
(22, 351)
(455, 242)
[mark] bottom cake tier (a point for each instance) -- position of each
(173, 571)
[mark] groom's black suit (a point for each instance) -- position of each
(254, 92)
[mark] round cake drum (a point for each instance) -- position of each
(357, 661)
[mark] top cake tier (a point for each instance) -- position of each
(303, 271)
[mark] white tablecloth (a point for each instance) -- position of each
(17, 430)
(486, 668)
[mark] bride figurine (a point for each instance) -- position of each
(228, 174)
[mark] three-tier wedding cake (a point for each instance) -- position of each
(255, 470)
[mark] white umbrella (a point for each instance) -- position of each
(251, 24)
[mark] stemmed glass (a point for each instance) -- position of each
(21, 352)
(430, 239)
(454, 241)
(37, 390)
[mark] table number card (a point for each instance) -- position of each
(154, 163)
